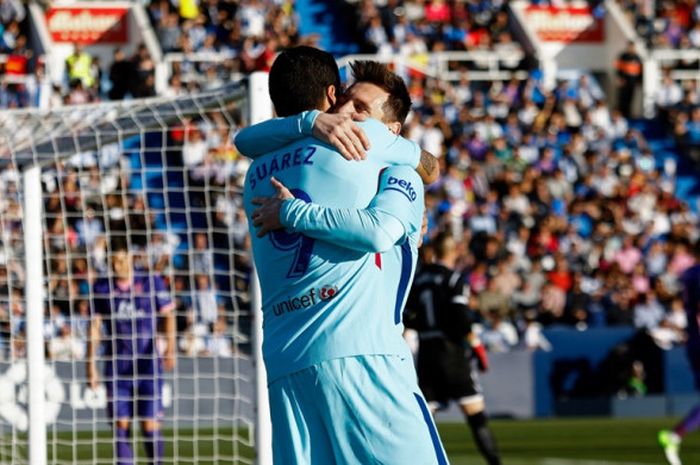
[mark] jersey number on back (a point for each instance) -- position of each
(302, 245)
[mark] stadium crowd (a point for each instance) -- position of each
(562, 215)
(414, 27)
(666, 24)
(219, 40)
(679, 113)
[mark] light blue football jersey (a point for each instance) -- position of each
(319, 298)
(391, 225)
(402, 194)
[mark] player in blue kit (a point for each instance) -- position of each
(126, 309)
(670, 441)
(345, 391)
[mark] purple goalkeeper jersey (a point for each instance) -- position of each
(691, 301)
(130, 317)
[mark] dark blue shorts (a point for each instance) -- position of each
(145, 392)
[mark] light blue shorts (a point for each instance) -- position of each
(356, 411)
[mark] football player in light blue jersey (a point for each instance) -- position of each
(391, 227)
(331, 360)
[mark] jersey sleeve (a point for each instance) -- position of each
(388, 148)
(401, 194)
(273, 134)
(395, 213)
(163, 301)
(365, 230)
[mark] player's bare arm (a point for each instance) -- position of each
(428, 168)
(95, 334)
(169, 359)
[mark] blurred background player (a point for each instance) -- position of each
(437, 310)
(670, 441)
(126, 307)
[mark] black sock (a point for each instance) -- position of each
(484, 438)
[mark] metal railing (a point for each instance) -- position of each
(481, 65)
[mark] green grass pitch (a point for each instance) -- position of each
(532, 442)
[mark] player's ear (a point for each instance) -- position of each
(394, 127)
(331, 95)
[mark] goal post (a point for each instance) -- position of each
(260, 110)
(34, 298)
(164, 175)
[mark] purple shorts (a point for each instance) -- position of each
(146, 393)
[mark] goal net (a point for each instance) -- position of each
(162, 176)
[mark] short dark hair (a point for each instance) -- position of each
(444, 245)
(398, 104)
(299, 78)
(118, 244)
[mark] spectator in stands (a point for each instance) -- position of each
(498, 335)
(66, 346)
(205, 302)
(669, 93)
(145, 73)
(629, 74)
(218, 344)
(12, 10)
(78, 66)
(89, 228)
(202, 255)
(648, 312)
(121, 75)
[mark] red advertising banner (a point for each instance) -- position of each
(566, 24)
(88, 25)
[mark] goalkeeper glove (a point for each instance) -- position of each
(479, 352)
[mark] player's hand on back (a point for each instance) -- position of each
(267, 216)
(341, 132)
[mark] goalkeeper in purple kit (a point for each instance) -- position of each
(126, 307)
